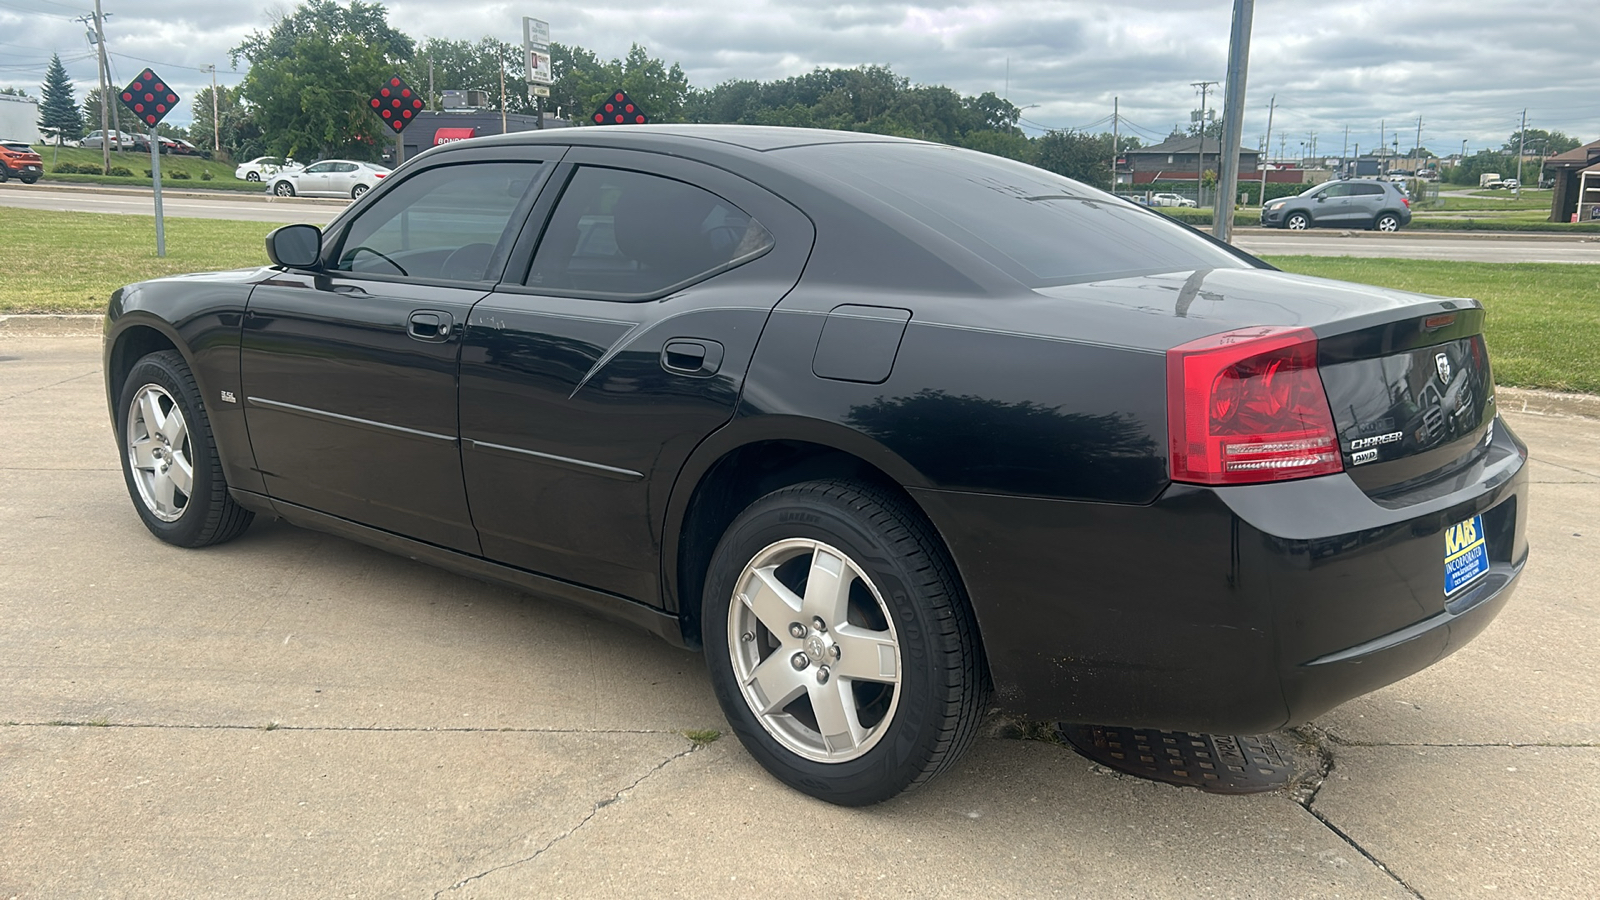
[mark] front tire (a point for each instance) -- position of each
(1387, 222)
(283, 189)
(840, 643)
(1297, 221)
(169, 459)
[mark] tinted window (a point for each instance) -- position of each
(1038, 227)
(1365, 189)
(624, 234)
(442, 223)
(320, 167)
(1336, 190)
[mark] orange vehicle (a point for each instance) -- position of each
(17, 160)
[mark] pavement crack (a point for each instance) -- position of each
(1545, 462)
(593, 811)
(1306, 792)
(46, 387)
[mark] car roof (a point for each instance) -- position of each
(749, 137)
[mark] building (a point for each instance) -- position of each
(1577, 183)
(431, 128)
(1178, 159)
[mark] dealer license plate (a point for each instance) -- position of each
(1466, 556)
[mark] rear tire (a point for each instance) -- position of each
(1388, 222)
(31, 180)
(357, 191)
(840, 643)
(252, 176)
(169, 458)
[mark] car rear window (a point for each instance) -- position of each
(1040, 228)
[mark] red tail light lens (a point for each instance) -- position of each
(1406, 201)
(1247, 406)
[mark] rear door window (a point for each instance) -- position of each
(627, 235)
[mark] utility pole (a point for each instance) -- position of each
(216, 118)
(430, 84)
(1116, 138)
(1344, 155)
(1266, 146)
(1416, 152)
(1311, 142)
(1384, 166)
(502, 91)
(105, 89)
(1200, 176)
(1522, 144)
(1233, 117)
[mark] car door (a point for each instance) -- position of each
(610, 353)
(1366, 201)
(1332, 205)
(349, 372)
(343, 178)
(315, 179)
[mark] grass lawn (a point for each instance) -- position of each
(71, 262)
(1543, 325)
(173, 169)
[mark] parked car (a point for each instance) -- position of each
(119, 140)
(184, 148)
(1171, 200)
(264, 167)
(330, 178)
(888, 428)
(18, 160)
(1356, 203)
(1510, 184)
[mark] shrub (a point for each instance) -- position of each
(121, 172)
(66, 168)
(181, 175)
(205, 175)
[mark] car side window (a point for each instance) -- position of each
(1336, 190)
(443, 223)
(1367, 189)
(619, 234)
(319, 167)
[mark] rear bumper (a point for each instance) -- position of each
(1228, 610)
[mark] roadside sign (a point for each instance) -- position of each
(149, 98)
(617, 109)
(535, 33)
(540, 70)
(541, 90)
(396, 103)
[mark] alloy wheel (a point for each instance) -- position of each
(160, 453)
(814, 650)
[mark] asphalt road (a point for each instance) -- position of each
(262, 208)
(295, 715)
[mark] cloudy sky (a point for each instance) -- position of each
(1468, 69)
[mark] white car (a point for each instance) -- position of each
(330, 178)
(1511, 184)
(1171, 200)
(264, 167)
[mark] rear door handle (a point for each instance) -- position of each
(691, 356)
(429, 325)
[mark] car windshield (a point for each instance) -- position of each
(1038, 227)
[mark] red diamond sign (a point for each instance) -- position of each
(617, 109)
(396, 103)
(149, 98)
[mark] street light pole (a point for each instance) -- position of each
(216, 119)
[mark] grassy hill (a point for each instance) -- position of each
(176, 171)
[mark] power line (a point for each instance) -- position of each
(172, 65)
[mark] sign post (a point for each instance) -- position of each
(149, 98)
(536, 46)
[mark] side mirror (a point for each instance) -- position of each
(295, 246)
(1321, 197)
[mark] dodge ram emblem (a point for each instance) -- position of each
(1442, 363)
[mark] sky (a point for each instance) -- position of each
(1466, 69)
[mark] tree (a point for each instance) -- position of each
(1544, 143)
(13, 92)
(582, 82)
(465, 66)
(311, 75)
(241, 136)
(1077, 155)
(58, 112)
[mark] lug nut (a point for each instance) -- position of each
(799, 661)
(836, 652)
(818, 624)
(797, 630)
(822, 675)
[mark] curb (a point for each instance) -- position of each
(1438, 234)
(1547, 403)
(48, 325)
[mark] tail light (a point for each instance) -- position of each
(379, 174)
(1406, 201)
(1247, 406)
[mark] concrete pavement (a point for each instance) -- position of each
(295, 715)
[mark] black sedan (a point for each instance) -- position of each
(896, 432)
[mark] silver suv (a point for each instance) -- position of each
(1358, 203)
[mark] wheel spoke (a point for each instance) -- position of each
(775, 605)
(775, 684)
(150, 410)
(827, 588)
(161, 490)
(175, 429)
(182, 474)
(866, 655)
(143, 458)
(835, 708)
